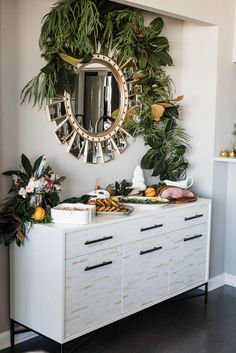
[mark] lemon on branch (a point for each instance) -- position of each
(39, 214)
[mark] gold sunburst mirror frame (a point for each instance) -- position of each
(91, 146)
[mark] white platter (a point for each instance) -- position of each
(139, 201)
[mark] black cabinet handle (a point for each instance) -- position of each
(88, 242)
(89, 268)
(150, 250)
(194, 237)
(152, 227)
(193, 217)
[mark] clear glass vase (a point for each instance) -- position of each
(36, 200)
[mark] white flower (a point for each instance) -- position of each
(30, 187)
(37, 184)
(57, 187)
(22, 192)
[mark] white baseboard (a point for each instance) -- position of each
(5, 338)
(216, 282)
(222, 280)
(230, 280)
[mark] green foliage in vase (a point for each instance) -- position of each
(166, 155)
(17, 212)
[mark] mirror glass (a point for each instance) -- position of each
(96, 98)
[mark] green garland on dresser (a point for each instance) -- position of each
(80, 28)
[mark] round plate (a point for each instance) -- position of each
(125, 213)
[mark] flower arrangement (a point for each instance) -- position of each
(35, 190)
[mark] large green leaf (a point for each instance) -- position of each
(154, 60)
(11, 172)
(170, 124)
(155, 143)
(156, 25)
(37, 165)
(25, 162)
(142, 62)
(165, 58)
(60, 180)
(171, 112)
(148, 159)
(159, 43)
(159, 165)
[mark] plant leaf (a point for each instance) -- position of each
(25, 162)
(37, 164)
(159, 165)
(157, 111)
(11, 172)
(165, 58)
(156, 25)
(148, 160)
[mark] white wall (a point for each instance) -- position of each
(8, 130)
(199, 72)
(208, 11)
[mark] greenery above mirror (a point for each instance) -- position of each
(74, 30)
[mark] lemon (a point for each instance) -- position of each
(150, 192)
(39, 214)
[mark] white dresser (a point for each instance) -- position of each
(69, 280)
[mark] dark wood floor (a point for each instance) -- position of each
(178, 327)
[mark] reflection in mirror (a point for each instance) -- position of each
(63, 131)
(56, 110)
(96, 96)
(120, 141)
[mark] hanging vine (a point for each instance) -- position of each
(76, 29)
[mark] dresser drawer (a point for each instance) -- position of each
(93, 289)
(143, 228)
(188, 237)
(188, 217)
(91, 240)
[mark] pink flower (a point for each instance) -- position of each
(48, 183)
(37, 184)
(30, 187)
(23, 192)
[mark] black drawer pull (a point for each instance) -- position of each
(193, 217)
(194, 237)
(88, 242)
(153, 227)
(89, 268)
(150, 250)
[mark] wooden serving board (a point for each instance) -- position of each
(183, 200)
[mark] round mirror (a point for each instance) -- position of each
(90, 120)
